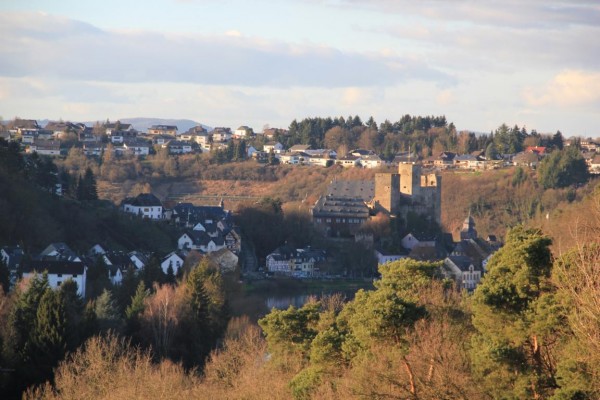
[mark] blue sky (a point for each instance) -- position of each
(257, 63)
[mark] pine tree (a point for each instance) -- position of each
(515, 314)
(107, 312)
(4, 276)
(90, 188)
(49, 335)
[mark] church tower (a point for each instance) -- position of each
(468, 229)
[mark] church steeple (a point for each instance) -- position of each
(468, 229)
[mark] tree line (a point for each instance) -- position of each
(180, 319)
(528, 331)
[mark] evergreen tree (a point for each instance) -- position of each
(90, 191)
(134, 311)
(563, 168)
(558, 140)
(97, 278)
(515, 314)
(170, 276)
(153, 272)
(49, 336)
(126, 289)
(107, 312)
(4, 276)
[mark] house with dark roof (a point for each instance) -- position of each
(200, 241)
(526, 159)
(136, 146)
(339, 216)
(117, 263)
(444, 160)
(58, 251)
(463, 271)
(174, 260)
(145, 205)
(300, 263)
(162, 130)
(58, 272)
(112, 127)
(45, 147)
(179, 147)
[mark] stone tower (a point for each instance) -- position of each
(420, 193)
(387, 192)
(409, 178)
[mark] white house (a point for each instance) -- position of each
(45, 147)
(174, 260)
(386, 256)
(289, 158)
(137, 147)
(348, 161)
(274, 147)
(58, 272)
(139, 259)
(371, 161)
(463, 271)
(410, 241)
(243, 132)
(145, 205)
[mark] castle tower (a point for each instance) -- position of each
(423, 192)
(387, 192)
(410, 174)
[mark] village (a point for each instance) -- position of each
(340, 214)
(122, 139)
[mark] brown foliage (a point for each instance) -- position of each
(109, 368)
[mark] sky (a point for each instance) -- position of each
(266, 62)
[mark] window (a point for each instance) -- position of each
(74, 275)
(59, 275)
(58, 283)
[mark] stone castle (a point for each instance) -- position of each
(348, 204)
(410, 190)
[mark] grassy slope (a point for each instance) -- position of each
(495, 201)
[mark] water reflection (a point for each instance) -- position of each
(283, 302)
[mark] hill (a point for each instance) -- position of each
(142, 124)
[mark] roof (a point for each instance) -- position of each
(64, 251)
(299, 147)
(143, 200)
(536, 149)
(164, 127)
(187, 212)
(121, 125)
(364, 190)
(46, 144)
(54, 267)
(361, 152)
(463, 263)
(346, 207)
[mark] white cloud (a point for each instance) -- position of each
(60, 48)
(445, 97)
(570, 88)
